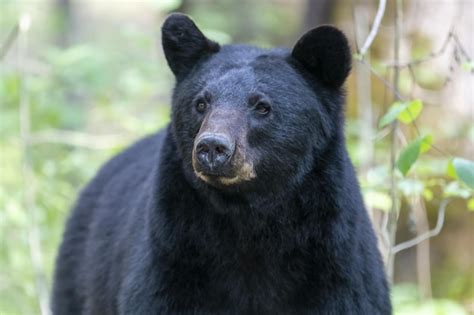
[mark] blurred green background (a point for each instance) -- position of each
(80, 80)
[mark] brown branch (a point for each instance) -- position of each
(383, 80)
(394, 212)
(451, 37)
(12, 36)
(423, 263)
(354, 24)
(461, 48)
(33, 231)
(430, 57)
(375, 27)
(420, 238)
(77, 139)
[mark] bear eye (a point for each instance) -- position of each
(262, 108)
(201, 106)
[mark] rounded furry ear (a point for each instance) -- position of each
(324, 51)
(184, 44)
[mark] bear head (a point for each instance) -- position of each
(245, 118)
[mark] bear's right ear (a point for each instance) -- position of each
(184, 44)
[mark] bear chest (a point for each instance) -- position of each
(247, 277)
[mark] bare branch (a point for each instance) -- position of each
(395, 211)
(451, 37)
(461, 48)
(78, 139)
(420, 238)
(9, 41)
(384, 81)
(430, 57)
(29, 202)
(375, 27)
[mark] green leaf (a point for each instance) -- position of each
(411, 187)
(358, 57)
(426, 142)
(408, 156)
(468, 66)
(378, 200)
(406, 112)
(410, 153)
(450, 170)
(470, 204)
(454, 189)
(392, 113)
(427, 194)
(465, 171)
(411, 111)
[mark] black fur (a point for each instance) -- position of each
(184, 44)
(147, 236)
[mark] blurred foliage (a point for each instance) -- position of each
(92, 89)
(90, 99)
(408, 301)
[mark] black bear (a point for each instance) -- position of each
(246, 204)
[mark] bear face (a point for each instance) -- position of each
(240, 112)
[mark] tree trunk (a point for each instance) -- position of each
(66, 21)
(318, 12)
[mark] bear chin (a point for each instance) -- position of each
(221, 181)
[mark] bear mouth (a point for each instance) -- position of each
(245, 173)
(214, 179)
(237, 170)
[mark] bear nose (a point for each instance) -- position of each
(213, 151)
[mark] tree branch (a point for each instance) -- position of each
(395, 211)
(420, 238)
(77, 139)
(375, 27)
(384, 81)
(29, 202)
(430, 57)
(9, 41)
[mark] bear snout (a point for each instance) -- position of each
(219, 160)
(213, 152)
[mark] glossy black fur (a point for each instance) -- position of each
(147, 236)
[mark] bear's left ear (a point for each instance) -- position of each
(324, 51)
(184, 44)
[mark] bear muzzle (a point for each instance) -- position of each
(213, 152)
(218, 161)
(219, 156)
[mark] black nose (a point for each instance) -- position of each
(213, 151)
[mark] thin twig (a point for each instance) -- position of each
(383, 80)
(423, 263)
(394, 212)
(375, 27)
(450, 37)
(33, 231)
(430, 57)
(383, 229)
(12, 36)
(461, 48)
(420, 238)
(354, 26)
(77, 139)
